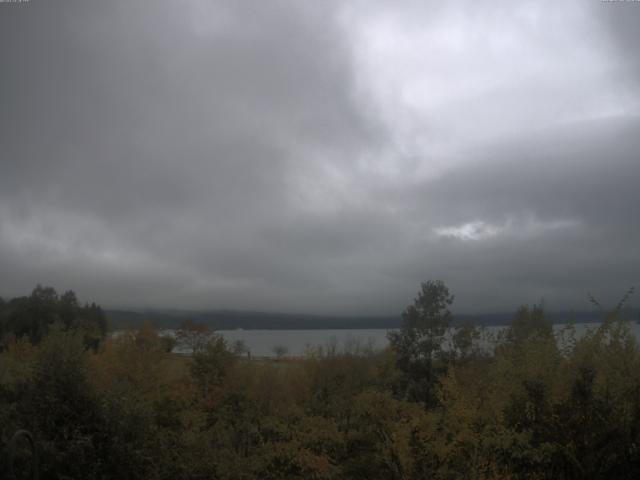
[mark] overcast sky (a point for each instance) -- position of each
(321, 157)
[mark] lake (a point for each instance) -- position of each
(297, 342)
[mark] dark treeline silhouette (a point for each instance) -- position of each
(231, 320)
(526, 403)
(32, 316)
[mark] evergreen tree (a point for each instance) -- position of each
(418, 343)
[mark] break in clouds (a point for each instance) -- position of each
(320, 157)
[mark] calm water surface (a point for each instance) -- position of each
(261, 343)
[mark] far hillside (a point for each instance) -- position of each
(231, 320)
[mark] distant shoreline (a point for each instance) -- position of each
(234, 320)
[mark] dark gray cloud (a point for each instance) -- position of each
(319, 157)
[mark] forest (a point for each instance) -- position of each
(526, 403)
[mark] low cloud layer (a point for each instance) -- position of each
(319, 157)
